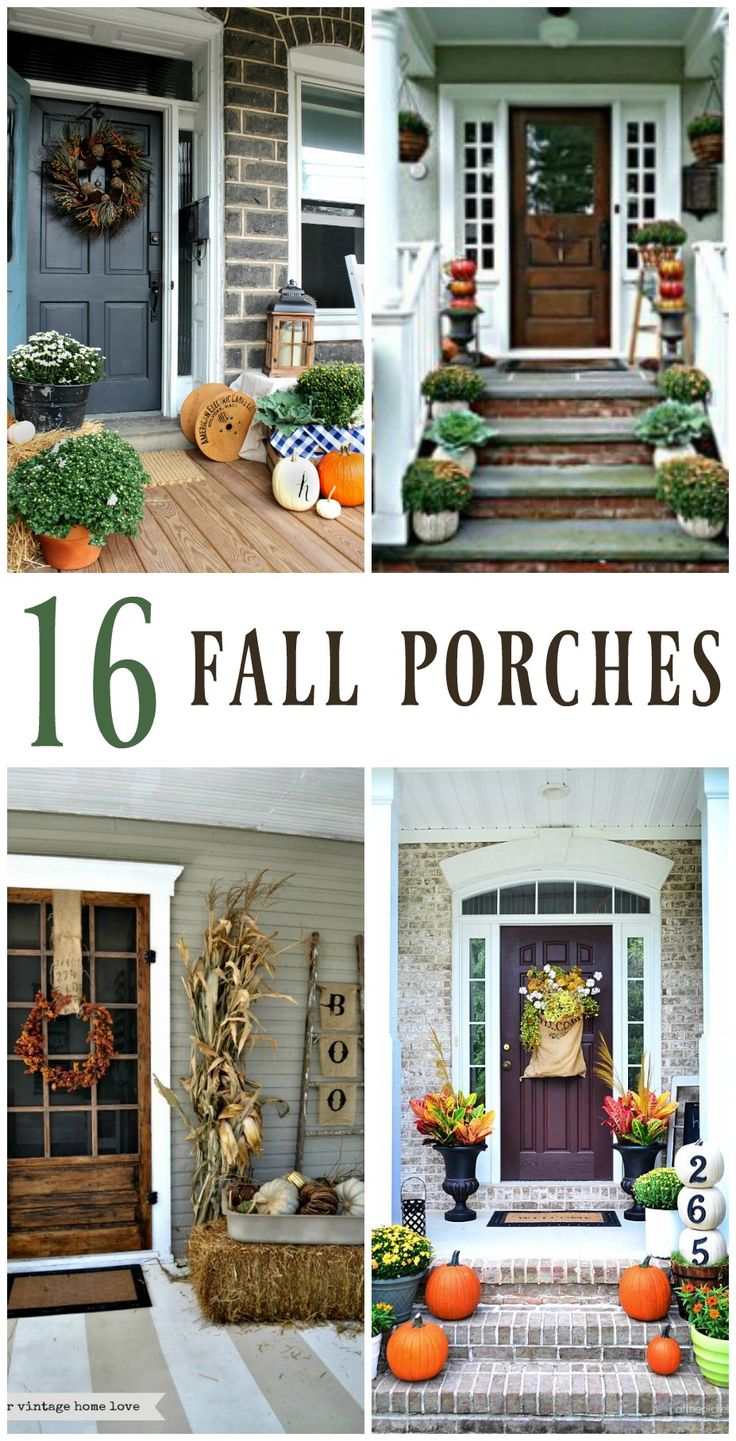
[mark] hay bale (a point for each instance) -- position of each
(24, 548)
(44, 439)
(244, 1281)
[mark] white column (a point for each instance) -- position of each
(716, 1080)
(382, 215)
(383, 1075)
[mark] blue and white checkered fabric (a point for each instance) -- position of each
(311, 440)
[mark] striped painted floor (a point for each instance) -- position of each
(221, 1379)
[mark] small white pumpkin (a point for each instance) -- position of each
(699, 1165)
(702, 1248)
(703, 1210)
(20, 432)
(295, 484)
(352, 1196)
(328, 508)
(277, 1198)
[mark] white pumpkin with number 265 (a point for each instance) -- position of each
(296, 484)
(702, 1210)
(702, 1248)
(699, 1165)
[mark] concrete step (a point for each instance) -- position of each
(572, 1397)
(148, 432)
(548, 544)
(552, 1328)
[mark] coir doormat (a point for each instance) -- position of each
(554, 1218)
(62, 1293)
(578, 367)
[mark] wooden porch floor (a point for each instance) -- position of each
(230, 522)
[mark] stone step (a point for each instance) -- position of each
(555, 1329)
(565, 430)
(148, 432)
(603, 1397)
(515, 482)
(544, 544)
(579, 384)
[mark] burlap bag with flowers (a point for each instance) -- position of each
(560, 1051)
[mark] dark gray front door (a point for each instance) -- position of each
(98, 288)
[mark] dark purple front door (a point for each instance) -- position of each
(551, 1129)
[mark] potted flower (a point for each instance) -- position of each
(659, 240)
(705, 133)
(382, 1321)
(682, 1271)
(452, 387)
(457, 436)
(671, 427)
(638, 1119)
(706, 1307)
(657, 1192)
(414, 133)
(399, 1262)
(696, 491)
(436, 492)
(52, 375)
(456, 1126)
(684, 383)
(334, 391)
(77, 493)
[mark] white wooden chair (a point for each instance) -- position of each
(355, 276)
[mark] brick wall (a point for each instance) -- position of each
(256, 45)
(425, 982)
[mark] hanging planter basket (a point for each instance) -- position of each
(705, 131)
(413, 137)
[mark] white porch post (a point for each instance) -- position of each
(716, 1082)
(383, 1130)
(383, 245)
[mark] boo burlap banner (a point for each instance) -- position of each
(337, 1105)
(559, 1053)
(338, 1055)
(338, 1007)
(67, 947)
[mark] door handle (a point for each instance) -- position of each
(506, 1065)
(604, 236)
(154, 284)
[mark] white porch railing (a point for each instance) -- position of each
(711, 332)
(406, 344)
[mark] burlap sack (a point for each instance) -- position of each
(559, 1053)
(66, 971)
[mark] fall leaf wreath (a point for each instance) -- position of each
(30, 1044)
(98, 205)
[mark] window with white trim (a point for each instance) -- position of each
(634, 1007)
(641, 181)
(477, 984)
(478, 193)
(327, 184)
(561, 898)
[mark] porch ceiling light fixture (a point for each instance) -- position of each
(554, 791)
(559, 30)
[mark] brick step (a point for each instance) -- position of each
(514, 407)
(551, 1396)
(567, 507)
(541, 544)
(565, 1332)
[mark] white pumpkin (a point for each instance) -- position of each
(295, 484)
(20, 432)
(277, 1198)
(352, 1196)
(702, 1248)
(703, 1210)
(328, 508)
(699, 1165)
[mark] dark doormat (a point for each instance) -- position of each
(575, 367)
(554, 1218)
(62, 1293)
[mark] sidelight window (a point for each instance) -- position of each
(477, 983)
(641, 181)
(478, 200)
(634, 1006)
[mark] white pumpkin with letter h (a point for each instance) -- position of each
(700, 1204)
(295, 484)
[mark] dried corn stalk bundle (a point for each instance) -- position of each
(223, 986)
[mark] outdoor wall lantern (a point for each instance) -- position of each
(700, 190)
(560, 30)
(289, 332)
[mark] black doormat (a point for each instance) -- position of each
(64, 1293)
(554, 1218)
(564, 367)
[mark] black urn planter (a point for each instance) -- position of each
(460, 1179)
(637, 1160)
(50, 407)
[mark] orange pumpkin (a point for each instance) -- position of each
(344, 472)
(452, 1292)
(417, 1350)
(664, 1354)
(645, 1292)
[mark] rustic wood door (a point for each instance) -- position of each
(561, 233)
(98, 288)
(80, 1161)
(551, 1129)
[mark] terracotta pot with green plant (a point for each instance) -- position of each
(456, 1125)
(52, 375)
(705, 133)
(414, 134)
(706, 1308)
(457, 438)
(383, 1321)
(671, 427)
(76, 494)
(399, 1263)
(657, 1191)
(659, 240)
(695, 489)
(436, 492)
(452, 388)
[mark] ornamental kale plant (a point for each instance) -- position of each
(334, 391)
(458, 430)
(92, 480)
(671, 423)
(658, 1189)
(285, 411)
(53, 359)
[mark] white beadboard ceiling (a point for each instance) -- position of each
(612, 799)
(598, 24)
(288, 801)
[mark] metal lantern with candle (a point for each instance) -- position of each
(290, 332)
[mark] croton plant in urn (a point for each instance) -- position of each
(637, 1118)
(456, 1125)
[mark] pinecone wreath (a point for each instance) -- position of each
(97, 202)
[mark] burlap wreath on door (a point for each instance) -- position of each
(98, 205)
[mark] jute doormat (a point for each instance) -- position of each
(581, 367)
(170, 467)
(62, 1293)
(554, 1218)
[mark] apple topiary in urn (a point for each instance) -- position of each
(52, 375)
(456, 1125)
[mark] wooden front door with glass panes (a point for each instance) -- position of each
(80, 1161)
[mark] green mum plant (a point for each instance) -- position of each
(453, 382)
(658, 1189)
(92, 480)
(668, 233)
(458, 430)
(432, 486)
(685, 383)
(50, 358)
(334, 391)
(695, 488)
(709, 123)
(672, 423)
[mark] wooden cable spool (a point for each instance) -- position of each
(194, 402)
(222, 425)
